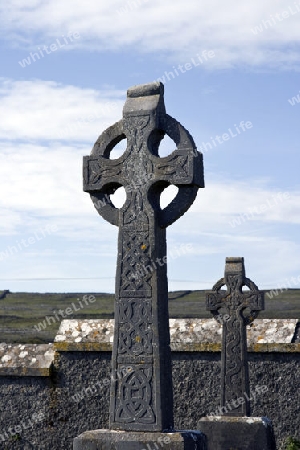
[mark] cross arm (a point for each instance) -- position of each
(182, 168)
(215, 298)
(100, 172)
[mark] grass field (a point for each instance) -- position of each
(23, 315)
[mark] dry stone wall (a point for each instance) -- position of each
(52, 393)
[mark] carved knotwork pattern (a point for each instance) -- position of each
(99, 173)
(136, 268)
(135, 277)
(233, 376)
(177, 166)
(135, 331)
(135, 216)
(134, 127)
(135, 396)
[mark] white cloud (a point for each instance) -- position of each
(263, 237)
(239, 206)
(171, 27)
(47, 178)
(48, 110)
(269, 261)
(41, 178)
(245, 202)
(43, 185)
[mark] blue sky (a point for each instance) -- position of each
(54, 108)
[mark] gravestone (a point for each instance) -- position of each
(235, 308)
(141, 406)
(239, 308)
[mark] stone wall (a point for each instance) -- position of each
(52, 393)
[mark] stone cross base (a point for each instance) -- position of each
(123, 440)
(238, 433)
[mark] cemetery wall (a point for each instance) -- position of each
(52, 393)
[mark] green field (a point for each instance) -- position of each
(21, 312)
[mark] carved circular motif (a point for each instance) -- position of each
(235, 300)
(185, 149)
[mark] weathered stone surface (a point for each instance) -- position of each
(87, 334)
(141, 391)
(196, 381)
(120, 440)
(238, 433)
(97, 335)
(271, 331)
(185, 335)
(235, 309)
(26, 359)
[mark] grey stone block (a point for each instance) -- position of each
(238, 433)
(121, 440)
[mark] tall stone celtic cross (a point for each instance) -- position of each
(141, 390)
(241, 308)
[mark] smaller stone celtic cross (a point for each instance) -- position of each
(241, 308)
